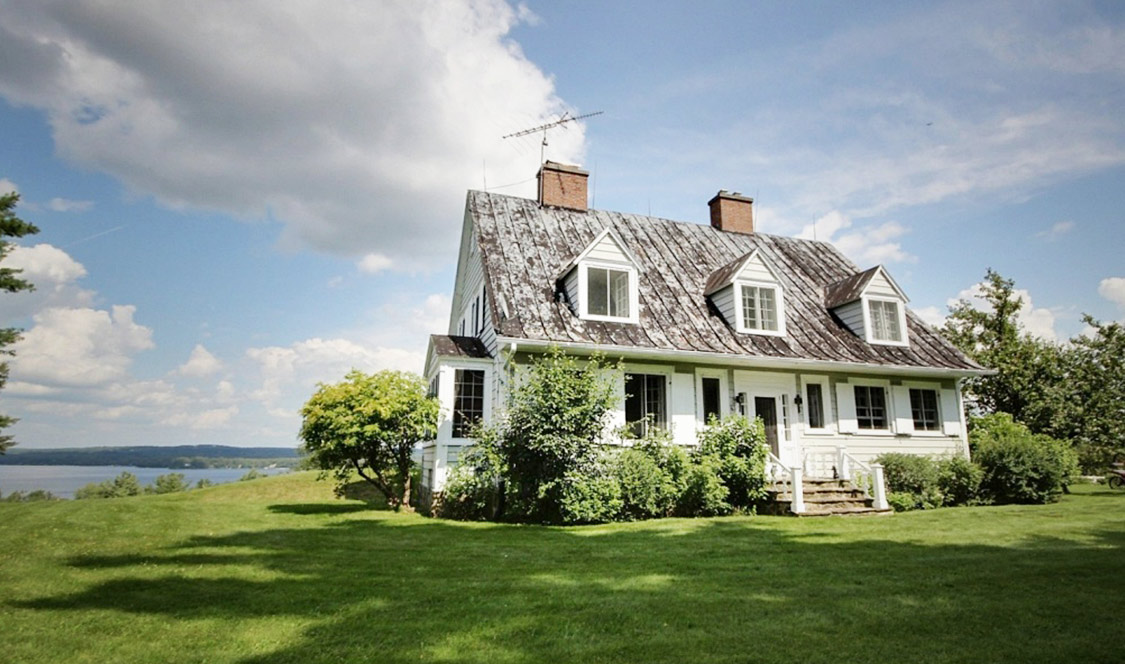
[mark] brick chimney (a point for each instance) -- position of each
(562, 186)
(733, 213)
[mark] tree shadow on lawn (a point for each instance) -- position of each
(709, 590)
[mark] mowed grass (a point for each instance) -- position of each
(277, 570)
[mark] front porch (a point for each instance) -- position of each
(827, 482)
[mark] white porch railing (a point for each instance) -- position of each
(791, 478)
(838, 464)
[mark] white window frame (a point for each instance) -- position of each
(910, 428)
(869, 327)
(583, 291)
(724, 393)
(779, 302)
(829, 427)
(650, 369)
(446, 372)
(888, 404)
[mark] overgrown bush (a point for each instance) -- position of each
(651, 475)
(958, 480)
(593, 496)
(472, 489)
(1019, 466)
(704, 492)
(739, 450)
(909, 473)
(125, 484)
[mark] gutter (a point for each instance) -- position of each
(747, 361)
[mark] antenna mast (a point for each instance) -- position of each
(561, 122)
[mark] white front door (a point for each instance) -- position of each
(768, 396)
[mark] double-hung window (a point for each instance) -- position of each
(870, 407)
(468, 400)
(814, 402)
(607, 292)
(885, 321)
(645, 402)
(759, 308)
(924, 409)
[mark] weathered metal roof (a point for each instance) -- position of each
(848, 289)
(453, 346)
(524, 247)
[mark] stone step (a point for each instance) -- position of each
(824, 497)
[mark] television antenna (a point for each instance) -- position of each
(561, 122)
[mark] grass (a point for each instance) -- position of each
(277, 570)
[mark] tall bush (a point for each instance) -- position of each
(652, 476)
(1019, 466)
(739, 450)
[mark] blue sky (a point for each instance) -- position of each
(241, 199)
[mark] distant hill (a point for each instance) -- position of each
(152, 456)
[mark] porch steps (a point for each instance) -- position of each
(824, 497)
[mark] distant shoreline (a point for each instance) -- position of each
(154, 456)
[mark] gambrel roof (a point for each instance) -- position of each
(525, 246)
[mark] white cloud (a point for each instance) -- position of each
(374, 263)
(67, 205)
(932, 316)
(80, 347)
(1113, 289)
(55, 276)
(207, 419)
(866, 246)
(8, 187)
(1056, 230)
(357, 126)
(200, 363)
(1037, 321)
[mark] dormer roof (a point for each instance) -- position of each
(851, 288)
(599, 243)
(727, 274)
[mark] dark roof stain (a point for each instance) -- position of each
(455, 346)
(525, 246)
(848, 289)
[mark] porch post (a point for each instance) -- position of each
(843, 469)
(798, 505)
(878, 488)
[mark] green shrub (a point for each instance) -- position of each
(585, 497)
(903, 501)
(909, 473)
(1019, 466)
(739, 451)
(651, 475)
(704, 494)
(472, 490)
(958, 480)
(125, 484)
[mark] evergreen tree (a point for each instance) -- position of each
(11, 226)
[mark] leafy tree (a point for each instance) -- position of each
(369, 424)
(1029, 371)
(10, 226)
(1094, 394)
(125, 484)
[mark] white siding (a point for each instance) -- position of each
(725, 302)
(756, 270)
(880, 286)
(570, 284)
(852, 316)
(607, 250)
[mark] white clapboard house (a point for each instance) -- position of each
(708, 320)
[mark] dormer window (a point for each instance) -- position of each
(885, 323)
(748, 295)
(871, 305)
(759, 308)
(607, 292)
(601, 282)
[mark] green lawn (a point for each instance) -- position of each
(276, 570)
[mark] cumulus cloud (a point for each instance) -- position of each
(1036, 321)
(866, 246)
(55, 275)
(357, 126)
(80, 347)
(1113, 289)
(374, 263)
(8, 187)
(200, 363)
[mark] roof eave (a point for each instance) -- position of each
(746, 361)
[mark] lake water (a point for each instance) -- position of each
(63, 481)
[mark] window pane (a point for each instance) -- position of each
(884, 321)
(815, 399)
(767, 307)
(750, 307)
(711, 399)
(468, 400)
(645, 399)
(597, 291)
(619, 293)
(924, 410)
(870, 407)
